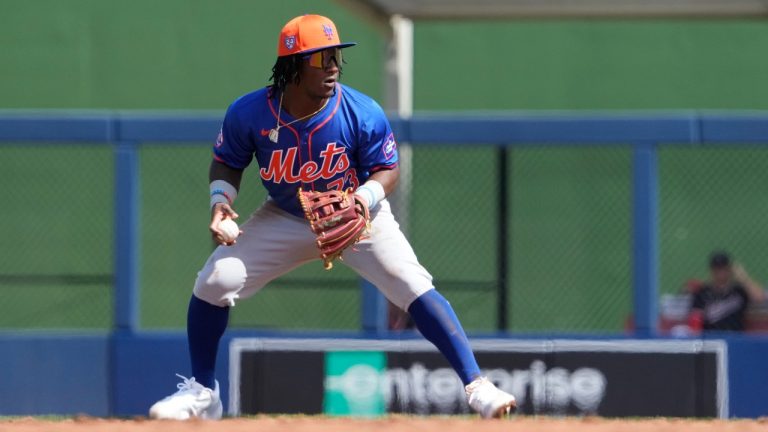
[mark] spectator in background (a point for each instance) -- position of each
(721, 303)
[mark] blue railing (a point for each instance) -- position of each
(644, 132)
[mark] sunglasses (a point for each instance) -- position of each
(323, 59)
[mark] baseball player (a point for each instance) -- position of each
(328, 159)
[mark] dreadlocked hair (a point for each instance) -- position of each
(285, 71)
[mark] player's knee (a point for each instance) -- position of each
(403, 291)
(219, 282)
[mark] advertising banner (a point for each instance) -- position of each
(556, 377)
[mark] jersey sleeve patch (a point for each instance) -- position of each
(220, 138)
(390, 147)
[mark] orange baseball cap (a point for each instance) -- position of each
(307, 34)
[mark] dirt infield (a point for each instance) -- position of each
(392, 424)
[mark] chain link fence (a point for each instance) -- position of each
(571, 239)
(712, 199)
(56, 264)
(568, 227)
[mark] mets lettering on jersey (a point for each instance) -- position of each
(337, 148)
(280, 169)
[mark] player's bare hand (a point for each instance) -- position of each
(220, 212)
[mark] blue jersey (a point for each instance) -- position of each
(337, 148)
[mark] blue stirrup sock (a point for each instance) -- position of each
(206, 324)
(436, 320)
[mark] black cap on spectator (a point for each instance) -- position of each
(719, 259)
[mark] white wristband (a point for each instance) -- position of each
(222, 192)
(372, 191)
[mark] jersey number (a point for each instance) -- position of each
(350, 177)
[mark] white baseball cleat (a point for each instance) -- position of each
(192, 400)
(488, 400)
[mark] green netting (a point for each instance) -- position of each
(569, 234)
(56, 266)
(570, 262)
(711, 198)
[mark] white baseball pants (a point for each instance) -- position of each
(274, 242)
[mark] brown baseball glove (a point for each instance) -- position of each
(338, 219)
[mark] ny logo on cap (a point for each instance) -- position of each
(290, 42)
(328, 31)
